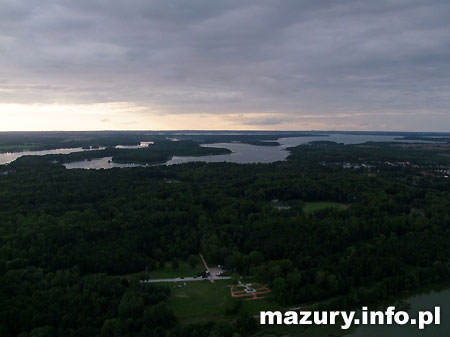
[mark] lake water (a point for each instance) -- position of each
(8, 157)
(425, 300)
(98, 163)
(245, 153)
(241, 153)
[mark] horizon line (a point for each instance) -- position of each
(224, 130)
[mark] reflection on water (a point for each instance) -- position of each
(97, 164)
(8, 157)
(242, 153)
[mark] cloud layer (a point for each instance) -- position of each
(244, 64)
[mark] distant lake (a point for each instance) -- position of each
(8, 157)
(245, 153)
(241, 153)
(97, 164)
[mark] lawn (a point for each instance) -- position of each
(184, 270)
(202, 301)
(311, 207)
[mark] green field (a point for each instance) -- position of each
(311, 207)
(202, 301)
(184, 270)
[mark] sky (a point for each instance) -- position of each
(225, 65)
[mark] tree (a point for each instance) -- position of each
(192, 260)
(175, 264)
(235, 278)
(280, 289)
(131, 306)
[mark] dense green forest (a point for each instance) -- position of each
(72, 241)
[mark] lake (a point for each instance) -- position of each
(422, 300)
(241, 153)
(9, 157)
(245, 153)
(98, 163)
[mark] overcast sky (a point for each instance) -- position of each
(205, 64)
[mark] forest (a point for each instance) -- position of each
(74, 243)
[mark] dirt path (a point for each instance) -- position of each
(211, 276)
(204, 262)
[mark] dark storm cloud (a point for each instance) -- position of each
(366, 59)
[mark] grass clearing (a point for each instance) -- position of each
(203, 301)
(199, 301)
(311, 207)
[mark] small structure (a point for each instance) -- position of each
(250, 291)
